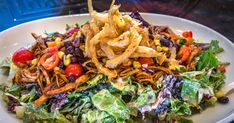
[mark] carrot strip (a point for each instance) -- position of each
(82, 79)
(41, 100)
(62, 89)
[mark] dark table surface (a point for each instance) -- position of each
(216, 14)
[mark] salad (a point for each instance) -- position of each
(115, 68)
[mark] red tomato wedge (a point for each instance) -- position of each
(53, 49)
(146, 60)
(49, 61)
(187, 34)
(22, 55)
(74, 70)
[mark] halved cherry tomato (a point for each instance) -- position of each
(185, 51)
(49, 61)
(22, 55)
(71, 32)
(187, 34)
(146, 60)
(75, 70)
(53, 49)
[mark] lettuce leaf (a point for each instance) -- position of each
(5, 62)
(39, 114)
(8, 67)
(77, 104)
(114, 106)
(14, 90)
(189, 92)
(207, 60)
(206, 78)
(94, 81)
(180, 108)
(146, 97)
(215, 48)
(96, 116)
(216, 80)
(126, 88)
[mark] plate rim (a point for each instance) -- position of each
(143, 13)
(225, 119)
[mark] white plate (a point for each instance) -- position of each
(20, 36)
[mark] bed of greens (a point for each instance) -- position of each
(107, 102)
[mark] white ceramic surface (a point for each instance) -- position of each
(20, 36)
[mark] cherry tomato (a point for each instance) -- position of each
(146, 60)
(71, 32)
(22, 55)
(53, 49)
(187, 34)
(74, 70)
(49, 61)
(185, 51)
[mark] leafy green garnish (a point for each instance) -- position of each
(182, 41)
(207, 60)
(105, 101)
(215, 48)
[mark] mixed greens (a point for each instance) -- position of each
(107, 102)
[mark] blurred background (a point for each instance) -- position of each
(216, 14)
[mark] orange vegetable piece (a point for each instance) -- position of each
(146, 60)
(185, 51)
(51, 44)
(189, 41)
(222, 68)
(41, 100)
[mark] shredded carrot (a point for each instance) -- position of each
(82, 79)
(67, 87)
(41, 100)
